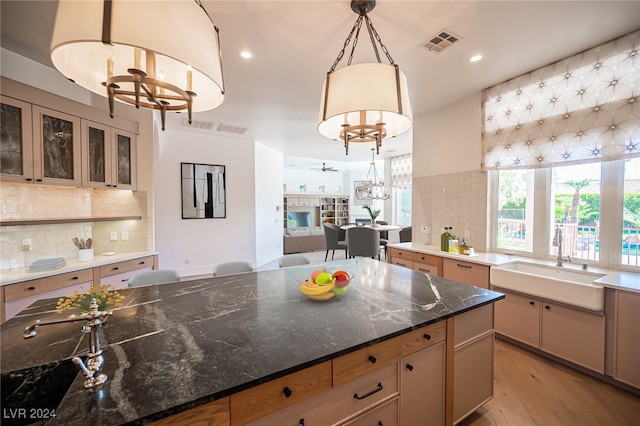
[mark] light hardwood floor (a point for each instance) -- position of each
(532, 390)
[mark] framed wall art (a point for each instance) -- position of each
(203, 191)
(361, 194)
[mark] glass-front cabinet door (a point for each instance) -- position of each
(16, 141)
(97, 155)
(124, 171)
(56, 148)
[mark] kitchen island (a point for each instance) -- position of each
(173, 348)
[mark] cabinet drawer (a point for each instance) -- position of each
(122, 280)
(473, 324)
(386, 414)
(427, 269)
(215, 413)
(43, 285)
(401, 262)
(365, 360)
(422, 338)
(257, 402)
(340, 403)
(126, 266)
(466, 272)
(404, 254)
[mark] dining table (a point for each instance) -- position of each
(379, 227)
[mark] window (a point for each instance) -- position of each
(597, 206)
(631, 213)
(401, 177)
(402, 206)
(515, 210)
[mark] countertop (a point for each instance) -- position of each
(13, 276)
(619, 280)
(175, 346)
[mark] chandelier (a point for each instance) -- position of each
(162, 55)
(372, 187)
(364, 102)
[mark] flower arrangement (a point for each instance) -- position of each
(372, 212)
(105, 294)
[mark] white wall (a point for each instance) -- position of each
(268, 184)
(448, 140)
(204, 242)
(314, 179)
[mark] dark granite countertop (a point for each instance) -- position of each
(175, 346)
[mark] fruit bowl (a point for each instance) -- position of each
(322, 285)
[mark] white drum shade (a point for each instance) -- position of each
(179, 32)
(370, 87)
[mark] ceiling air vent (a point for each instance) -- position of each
(226, 128)
(202, 125)
(441, 41)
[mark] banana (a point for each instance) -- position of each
(318, 290)
(323, 296)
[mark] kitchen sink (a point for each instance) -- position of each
(33, 394)
(568, 286)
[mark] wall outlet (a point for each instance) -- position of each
(113, 235)
(26, 244)
(186, 261)
(125, 235)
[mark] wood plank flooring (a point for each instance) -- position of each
(532, 390)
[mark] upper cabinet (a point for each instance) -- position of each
(108, 157)
(16, 155)
(56, 147)
(45, 146)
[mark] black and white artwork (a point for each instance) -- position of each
(203, 191)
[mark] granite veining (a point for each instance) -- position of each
(174, 346)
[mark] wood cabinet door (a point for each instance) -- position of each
(97, 155)
(125, 160)
(465, 272)
(573, 334)
(384, 415)
(16, 155)
(627, 338)
(472, 376)
(518, 316)
(56, 147)
(422, 387)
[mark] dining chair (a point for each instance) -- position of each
(230, 268)
(334, 239)
(363, 242)
(293, 260)
(158, 276)
(405, 235)
(384, 237)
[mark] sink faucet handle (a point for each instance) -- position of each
(90, 372)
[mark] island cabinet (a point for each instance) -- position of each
(570, 333)
(466, 272)
(118, 274)
(473, 361)
(426, 263)
(626, 337)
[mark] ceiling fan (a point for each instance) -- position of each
(325, 168)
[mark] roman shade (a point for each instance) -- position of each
(401, 171)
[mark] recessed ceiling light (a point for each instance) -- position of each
(245, 54)
(476, 58)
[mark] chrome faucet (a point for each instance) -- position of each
(557, 241)
(94, 318)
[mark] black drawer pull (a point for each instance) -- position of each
(368, 394)
(372, 359)
(532, 303)
(141, 263)
(301, 422)
(29, 179)
(32, 288)
(463, 266)
(409, 367)
(547, 307)
(287, 392)
(115, 268)
(427, 336)
(38, 180)
(75, 278)
(380, 423)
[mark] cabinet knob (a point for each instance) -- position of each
(301, 422)
(547, 307)
(75, 278)
(372, 359)
(115, 268)
(38, 180)
(380, 423)
(427, 336)
(31, 288)
(532, 303)
(409, 367)
(141, 263)
(287, 392)
(29, 180)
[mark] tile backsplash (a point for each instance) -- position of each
(457, 199)
(20, 201)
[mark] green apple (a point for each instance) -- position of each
(323, 278)
(339, 291)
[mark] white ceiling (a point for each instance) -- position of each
(277, 94)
